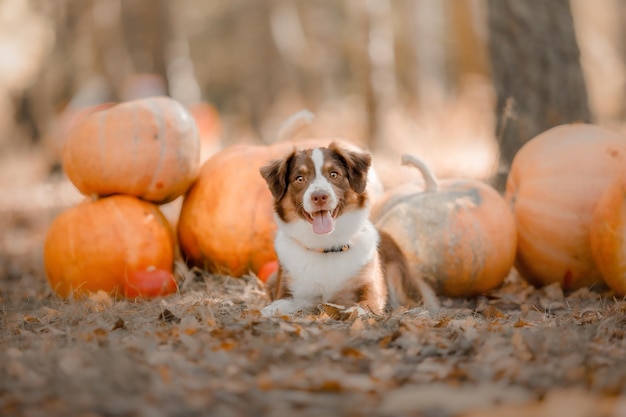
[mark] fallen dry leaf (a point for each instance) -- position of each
(207, 350)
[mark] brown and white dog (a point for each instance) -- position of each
(328, 250)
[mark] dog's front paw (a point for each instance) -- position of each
(282, 306)
(358, 310)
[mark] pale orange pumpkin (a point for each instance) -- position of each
(458, 234)
(392, 197)
(148, 148)
(608, 236)
(226, 224)
(106, 243)
(556, 180)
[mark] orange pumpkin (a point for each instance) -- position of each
(554, 184)
(608, 237)
(102, 244)
(209, 128)
(147, 148)
(226, 224)
(458, 234)
(62, 124)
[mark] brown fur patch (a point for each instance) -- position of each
(283, 285)
(367, 289)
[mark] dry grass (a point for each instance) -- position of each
(206, 351)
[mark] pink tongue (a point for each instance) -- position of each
(322, 222)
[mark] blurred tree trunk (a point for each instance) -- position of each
(622, 24)
(404, 12)
(536, 72)
(129, 39)
(146, 31)
(468, 46)
(359, 65)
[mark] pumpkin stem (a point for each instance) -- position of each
(294, 123)
(429, 176)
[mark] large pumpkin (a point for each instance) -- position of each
(555, 182)
(114, 244)
(226, 224)
(148, 148)
(458, 234)
(608, 236)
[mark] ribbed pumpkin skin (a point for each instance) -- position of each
(608, 237)
(392, 197)
(95, 245)
(148, 148)
(226, 224)
(555, 182)
(459, 238)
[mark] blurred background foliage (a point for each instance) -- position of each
(447, 80)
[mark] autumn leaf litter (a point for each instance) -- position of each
(207, 351)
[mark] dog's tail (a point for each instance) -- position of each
(403, 288)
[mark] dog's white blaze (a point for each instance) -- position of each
(319, 183)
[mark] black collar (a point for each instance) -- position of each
(333, 249)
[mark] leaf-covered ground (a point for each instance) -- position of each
(206, 351)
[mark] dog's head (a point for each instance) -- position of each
(318, 185)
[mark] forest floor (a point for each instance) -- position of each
(204, 351)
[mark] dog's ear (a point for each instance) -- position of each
(275, 174)
(356, 163)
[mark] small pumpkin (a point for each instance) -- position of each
(608, 236)
(149, 283)
(109, 244)
(556, 180)
(458, 234)
(267, 270)
(226, 224)
(148, 148)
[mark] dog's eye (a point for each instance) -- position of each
(299, 179)
(334, 175)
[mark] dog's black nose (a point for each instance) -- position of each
(319, 198)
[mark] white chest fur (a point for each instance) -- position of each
(317, 276)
